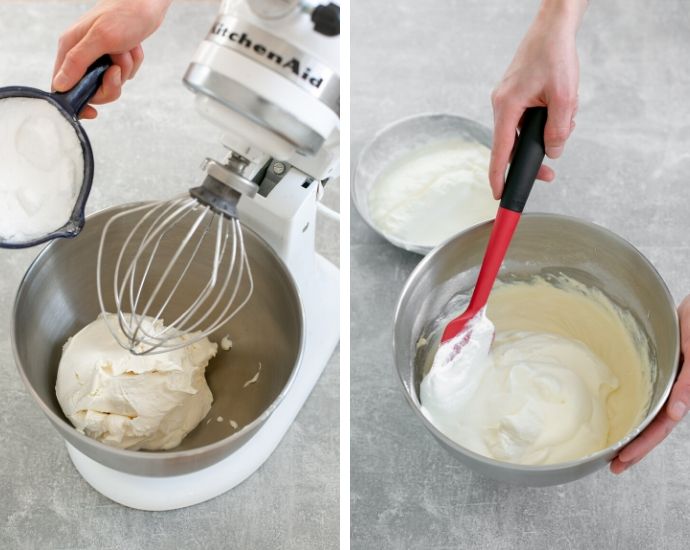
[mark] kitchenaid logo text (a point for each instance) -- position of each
(293, 64)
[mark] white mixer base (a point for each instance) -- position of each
(320, 299)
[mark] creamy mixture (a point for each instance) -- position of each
(433, 193)
(41, 168)
(568, 373)
(133, 401)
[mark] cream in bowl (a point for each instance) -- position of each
(617, 281)
(433, 193)
(153, 400)
(129, 401)
(551, 372)
(423, 179)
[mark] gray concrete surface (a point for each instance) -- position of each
(625, 167)
(148, 145)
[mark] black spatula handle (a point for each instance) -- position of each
(529, 154)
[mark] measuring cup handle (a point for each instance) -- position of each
(529, 154)
(75, 100)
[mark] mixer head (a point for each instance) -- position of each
(267, 72)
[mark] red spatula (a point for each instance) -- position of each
(529, 154)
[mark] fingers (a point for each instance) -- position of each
(669, 416)
(617, 467)
(680, 396)
(124, 67)
(684, 319)
(654, 434)
(559, 124)
(137, 59)
(77, 60)
(111, 88)
(679, 401)
(546, 173)
(126, 64)
(88, 112)
(506, 119)
(66, 42)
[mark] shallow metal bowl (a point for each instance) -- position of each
(544, 244)
(401, 138)
(57, 298)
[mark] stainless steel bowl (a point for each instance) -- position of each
(57, 297)
(543, 244)
(401, 138)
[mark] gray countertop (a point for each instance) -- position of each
(625, 167)
(148, 145)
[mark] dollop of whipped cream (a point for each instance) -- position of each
(133, 401)
(527, 398)
(41, 168)
(433, 193)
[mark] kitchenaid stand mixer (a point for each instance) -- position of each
(267, 75)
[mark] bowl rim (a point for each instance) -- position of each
(357, 198)
(160, 455)
(654, 409)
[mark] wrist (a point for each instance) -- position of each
(563, 14)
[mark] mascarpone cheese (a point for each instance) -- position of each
(133, 401)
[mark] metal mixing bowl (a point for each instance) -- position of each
(401, 138)
(544, 244)
(57, 297)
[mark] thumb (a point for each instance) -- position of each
(679, 401)
(77, 60)
(680, 395)
(558, 125)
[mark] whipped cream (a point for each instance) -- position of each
(433, 193)
(542, 386)
(41, 168)
(133, 401)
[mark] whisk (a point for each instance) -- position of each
(169, 241)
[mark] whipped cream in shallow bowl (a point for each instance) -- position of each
(423, 179)
(575, 356)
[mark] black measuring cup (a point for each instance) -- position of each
(69, 104)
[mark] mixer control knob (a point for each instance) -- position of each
(326, 19)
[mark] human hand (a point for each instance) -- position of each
(676, 407)
(544, 72)
(114, 27)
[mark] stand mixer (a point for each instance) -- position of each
(267, 74)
